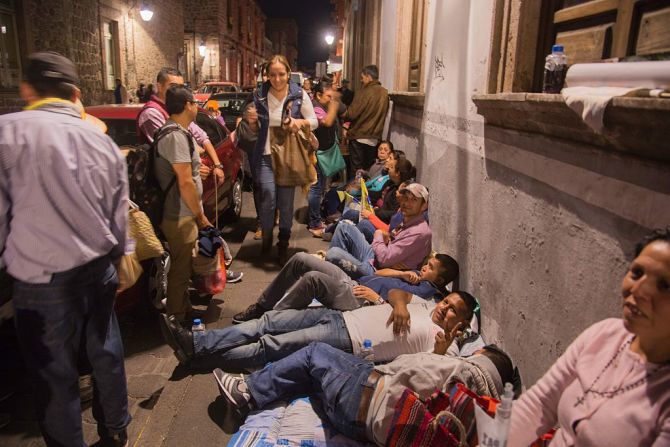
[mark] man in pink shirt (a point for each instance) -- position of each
(403, 248)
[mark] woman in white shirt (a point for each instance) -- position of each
(270, 99)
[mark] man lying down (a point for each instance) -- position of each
(408, 325)
(358, 397)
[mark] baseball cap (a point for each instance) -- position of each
(51, 67)
(417, 189)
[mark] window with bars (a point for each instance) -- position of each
(110, 52)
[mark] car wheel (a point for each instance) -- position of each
(235, 209)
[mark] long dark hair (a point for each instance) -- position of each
(405, 169)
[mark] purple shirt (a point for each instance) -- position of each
(63, 193)
(151, 119)
(410, 244)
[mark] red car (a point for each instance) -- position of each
(121, 127)
(210, 88)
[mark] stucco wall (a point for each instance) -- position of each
(542, 227)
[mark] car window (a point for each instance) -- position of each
(215, 132)
(123, 132)
(233, 106)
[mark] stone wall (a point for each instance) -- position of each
(542, 227)
(73, 28)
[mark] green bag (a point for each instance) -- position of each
(330, 160)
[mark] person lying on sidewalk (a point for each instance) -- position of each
(403, 248)
(358, 397)
(279, 332)
(306, 277)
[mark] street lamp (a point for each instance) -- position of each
(145, 12)
(202, 48)
(330, 39)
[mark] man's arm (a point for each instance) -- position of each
(189, 193)
(397, 250)
(399, 317)
(203, 141)
(406, 275)
(119, 221)
(355, 109)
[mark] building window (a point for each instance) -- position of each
(10, 62)
(416, 46)
(110, 52)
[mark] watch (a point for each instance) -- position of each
(220, 166)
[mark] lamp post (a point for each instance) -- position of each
(145, 12)
(330, 39)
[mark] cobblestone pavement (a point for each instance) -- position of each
(169, 405)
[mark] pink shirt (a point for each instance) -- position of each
(637, 417)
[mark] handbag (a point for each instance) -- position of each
(129, 271)
(293, 160)
(331, 160)
(442, 420)
(140, 228)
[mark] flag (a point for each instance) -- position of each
(365, 197)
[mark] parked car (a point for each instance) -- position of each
(210, 88)
(122, 128)
(230, 106)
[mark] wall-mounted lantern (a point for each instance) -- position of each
(145, 12)
(202, 48)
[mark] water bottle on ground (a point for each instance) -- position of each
(367, 353)
(555, 69)
(198, 325)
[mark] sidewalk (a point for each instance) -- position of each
(169, 406)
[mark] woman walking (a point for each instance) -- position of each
(271, 99)
(326, 103)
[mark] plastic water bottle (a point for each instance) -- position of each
(198, 325)
(555, 69)
(367, 353)
(492, 432)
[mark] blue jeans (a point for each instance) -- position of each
(271, 197)
(368, 230)
(273, 336)
(314, 198)
(351, 252)
(352, 215)
(57, 323)
(335, 377)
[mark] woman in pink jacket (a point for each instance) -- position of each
(612, 385)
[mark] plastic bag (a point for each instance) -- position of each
(214, 282)
(130, 271)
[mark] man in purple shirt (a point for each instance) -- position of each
(403, 248)
(63, 219)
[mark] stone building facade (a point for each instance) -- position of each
(106, 39)
(284, 36)
(541, 212)
(231, 34)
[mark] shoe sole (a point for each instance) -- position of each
(238, 279)
(171, 340)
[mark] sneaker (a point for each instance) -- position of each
(258, 235)
(179, 338)
(250, 313)
(232, 277)
(316, 232)
(321, 254)
(234, 388)
(327, 237)
(116, 440)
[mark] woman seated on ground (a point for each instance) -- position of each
(611, 387)
(358, 397)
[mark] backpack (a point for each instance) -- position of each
(144, 188)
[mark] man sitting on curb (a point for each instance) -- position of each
(305, 277)
(277, 333)
(403, 248)
(358, 397)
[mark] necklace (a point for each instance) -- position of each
(621, 389)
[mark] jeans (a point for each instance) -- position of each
(314, 198)
(271, 197)
(364, 225)
(59, 322)
(361, 156)
(335, 377)
(273, 336)
(305, 277)
(352, 215)
(351, 252)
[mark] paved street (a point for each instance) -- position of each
(171, 407)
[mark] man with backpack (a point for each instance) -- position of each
(177, 166)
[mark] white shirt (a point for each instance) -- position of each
(369, 322)
(275, 114)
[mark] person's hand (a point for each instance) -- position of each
(400, 319)
(366, 213)
(204, 171)
(293, 125)
(411, 277)
(202, 221)
(440, 347)
(335, 95)
(387, 237)
(220, 175)
(366, 293)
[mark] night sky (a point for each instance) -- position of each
(314, 20)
